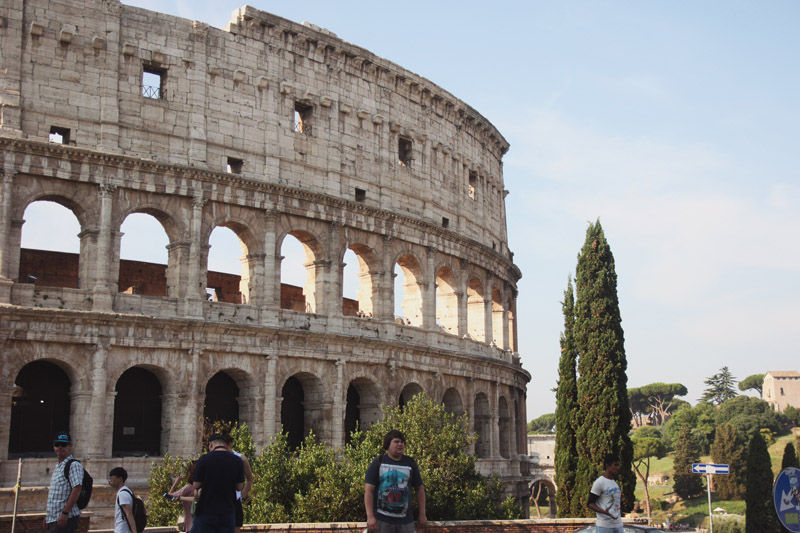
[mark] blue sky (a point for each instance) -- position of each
(674, 123)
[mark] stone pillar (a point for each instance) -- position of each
(99, 403)
(272, 400)
(487, 320)
(6, 392)
(79, 420)
(271, 277)
(339, 405)
(101, 291)
(428, 288)
(6, 242)
(197, 260)
(383, 295)
(494, 408)
(252, 279)
(315, 297)
(332, 274)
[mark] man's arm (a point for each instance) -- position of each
(592, 504)
(422, 519)
(71, 499)
(248, 478)
(128, 510)
(369, 505)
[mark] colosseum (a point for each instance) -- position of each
(276, 131)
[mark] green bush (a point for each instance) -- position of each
(160, 512)
(726, 524)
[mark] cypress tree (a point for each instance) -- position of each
(729, 448)
(567, 503)
(687, 451)
(605, 417)
(760, 510)
(789, 457)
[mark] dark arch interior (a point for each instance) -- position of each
(221, 403)
(292, 411)
(137, 414)
(352, 415)
(39, 408)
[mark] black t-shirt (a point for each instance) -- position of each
(219, 472)
(393, 481)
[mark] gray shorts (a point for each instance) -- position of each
(383, 527)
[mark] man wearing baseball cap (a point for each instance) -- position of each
(62, 513)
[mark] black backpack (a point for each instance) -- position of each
(139, 512)
(86, 485)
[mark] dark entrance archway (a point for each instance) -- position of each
(292, 413)
(221, 399)
(39, 408)
(137, 414)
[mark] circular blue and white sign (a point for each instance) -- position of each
(786, 493)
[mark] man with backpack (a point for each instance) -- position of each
(62, 513)
(124, 521)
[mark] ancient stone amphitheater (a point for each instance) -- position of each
(271, 129)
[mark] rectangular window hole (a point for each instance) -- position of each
(473, 184)
(361, 195)
(404, 148)
(302, 118)
(445, 222)
(59, 135)
(235, 165)
(153, 83)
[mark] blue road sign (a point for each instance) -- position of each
(709, 468)
(786, 493)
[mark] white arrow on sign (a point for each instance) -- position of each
(708, 468)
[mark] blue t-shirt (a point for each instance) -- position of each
(393, 481)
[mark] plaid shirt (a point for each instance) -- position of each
(60, 489)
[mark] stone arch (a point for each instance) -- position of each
(315, 268)
(452, 401)
(221, 399)
(504, 426)
(498, 318)
(446, 300)
(510, 324)
(138, 412)
(362, 408)
(537, 488)
(409, 391)
(251, 260)
(483, 425)
(173, 227)
(40, 407)
(476, 321)
(70, 198)
(302, 410)
(66, 269)
(412, 288)
(368, 272)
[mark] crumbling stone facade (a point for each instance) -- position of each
(269, 128)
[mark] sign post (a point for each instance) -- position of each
(708, 469)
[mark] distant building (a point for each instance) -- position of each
(781, 389)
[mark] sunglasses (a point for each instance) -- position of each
(60, 444)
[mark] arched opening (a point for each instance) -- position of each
(362, 408)
(452, 402)
(50, 246)
(483, 425)
(476, 322)
(512, 345)
(227, 267)
(301, 408)
(357, 282)
(543, 497)
(39, 408)
(408, 273)
(446, 301)
(137, 414)
(298, 274)
(143, 256)
(505, 428)
(408, 392)
(222, 404)
(497, 319)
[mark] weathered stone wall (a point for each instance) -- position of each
(382, 162)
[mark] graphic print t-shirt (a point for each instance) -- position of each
(393, 481)
(609, 494)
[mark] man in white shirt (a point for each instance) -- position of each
(604, 497)
(123, 507)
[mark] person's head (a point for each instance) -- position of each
(217, 441)
(117, 477)
(190, 471)
(394, 443)
(62, 445)
(611, 465)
